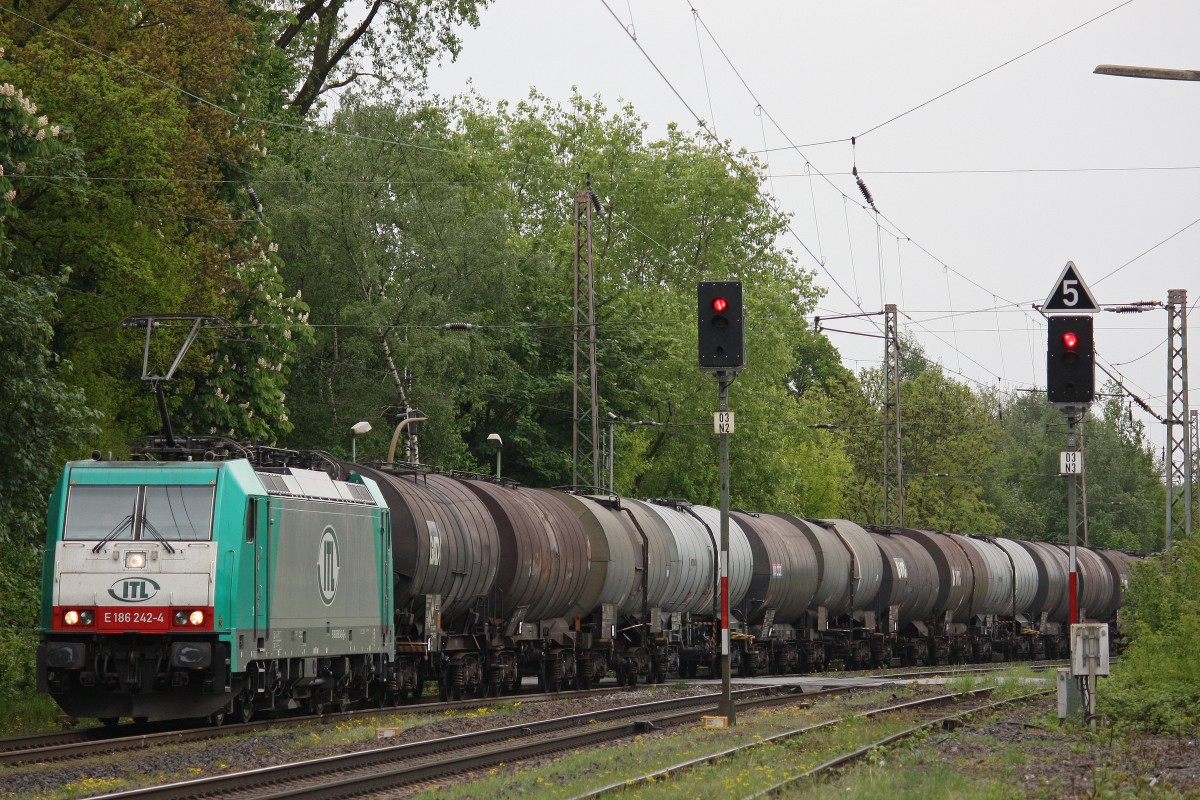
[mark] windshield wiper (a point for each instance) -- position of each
(149, 526)
(114, 533)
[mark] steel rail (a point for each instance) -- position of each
(847, 758)
(399, 763)
(779, 737)
(61, 746)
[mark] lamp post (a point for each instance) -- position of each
(495, 441)
(356, 429)
(1157, 73)
(409, 417)
(612, 446)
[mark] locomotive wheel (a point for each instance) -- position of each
(243, 710)
(217, 718)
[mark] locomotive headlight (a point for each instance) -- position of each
(196, 617)
(135, 559)
(181, 617)
(71, 617)
(86, 617)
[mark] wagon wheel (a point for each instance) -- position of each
(243, 710)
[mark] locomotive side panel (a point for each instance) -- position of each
(325, 589)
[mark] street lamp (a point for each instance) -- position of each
(1158, 73)
(409, 417)
(495, 441)
(355, 430)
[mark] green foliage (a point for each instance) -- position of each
(1156, 684)
(1124, 486)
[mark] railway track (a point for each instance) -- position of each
(389, 768)
(682, 769)
(68, 745)
(65, 745)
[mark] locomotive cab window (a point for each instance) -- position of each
(125, 513)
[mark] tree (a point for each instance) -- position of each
(1126, 495)
(677, 210)
(332, 43)
(1156, 684)
(155, 222)
(384, 262)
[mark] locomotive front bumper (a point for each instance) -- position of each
(116, 677)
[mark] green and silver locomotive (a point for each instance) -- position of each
(199, 588)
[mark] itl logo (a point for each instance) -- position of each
(133, 590)
(328, 565)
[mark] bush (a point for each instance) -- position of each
(1155, 686)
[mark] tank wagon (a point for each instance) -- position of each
(246, 582)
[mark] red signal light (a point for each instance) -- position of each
(1070, 340)
(720, 304)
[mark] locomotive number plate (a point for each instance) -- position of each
(142, 619)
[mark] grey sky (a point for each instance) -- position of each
(984, 194)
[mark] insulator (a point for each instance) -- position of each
(866, 193)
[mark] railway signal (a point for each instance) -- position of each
(1070, 361)
(719, 324)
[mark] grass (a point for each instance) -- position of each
(28, 714)
(751, 771)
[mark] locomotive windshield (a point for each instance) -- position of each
(124, 513)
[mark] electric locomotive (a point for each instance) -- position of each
(196, 588)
